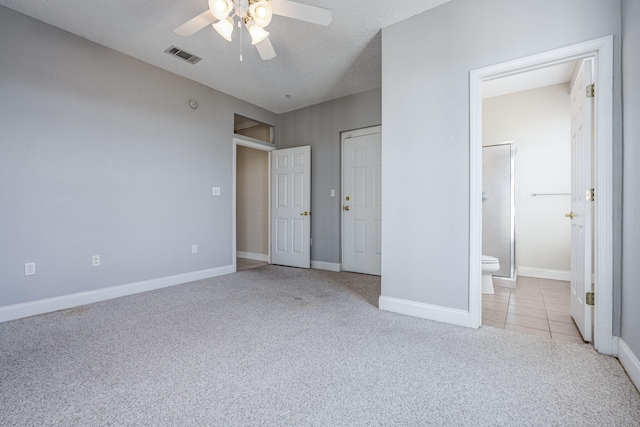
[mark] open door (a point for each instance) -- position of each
(291, 207)
(581, 199)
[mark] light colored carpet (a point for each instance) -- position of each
(284, 346)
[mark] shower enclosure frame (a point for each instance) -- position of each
(512, 205)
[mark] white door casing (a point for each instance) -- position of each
(291, 207)
(362, 201)
(601, 51)
(256, 146)
(581, 181)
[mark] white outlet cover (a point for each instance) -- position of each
(194, 249)
(95, 260)
(29, 268)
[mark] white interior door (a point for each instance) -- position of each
(581, 212)
(362, 201)
(291, 207)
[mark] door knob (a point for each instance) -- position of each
(569, 215)
(305, 213)
(346, 208)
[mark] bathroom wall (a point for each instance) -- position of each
(252, 202)
(538, 121)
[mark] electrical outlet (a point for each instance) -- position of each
(29, 268)
(95, 261)
(194, 249)
(333, 193)
(215, 191)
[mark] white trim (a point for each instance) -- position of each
(234, 159)
(329, 266)
(545, 273)
(603, 205)
(32, 308)
(601, 50)
(253, 256)
(475, 199)
(425, 311)
(630, 362)
(251, 144)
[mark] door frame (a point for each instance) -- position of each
(344, 135)
(601, 50)
(250, 144)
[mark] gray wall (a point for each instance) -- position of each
(426, 62)
(320, 126)
(101, 154)
(630, 325)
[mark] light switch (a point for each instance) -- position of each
(333, 193)
(216, 191)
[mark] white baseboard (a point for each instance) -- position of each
(32, 308)
(425, 311)
(544, 273)
(630, 362)
(253, 256)
(329, 266)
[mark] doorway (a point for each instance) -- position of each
(537, 121)
(600, 51)
(251, 198)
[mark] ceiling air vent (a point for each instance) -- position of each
(182, 54)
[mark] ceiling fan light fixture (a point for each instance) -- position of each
(256, 15)
(257, 33)
(224, 27)
(261, 12)
(221, 8)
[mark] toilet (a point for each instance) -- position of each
(489, 266)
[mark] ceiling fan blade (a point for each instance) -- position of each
(265, 49)
(194, 25)
(303, 12)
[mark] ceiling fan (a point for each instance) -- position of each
(256, 15)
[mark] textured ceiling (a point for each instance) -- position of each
(313, 64)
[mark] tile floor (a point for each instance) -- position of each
(536, 306)
(247, 264)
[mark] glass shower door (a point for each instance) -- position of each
(498, 232)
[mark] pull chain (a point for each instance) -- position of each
(237, 6)
(241, 33)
